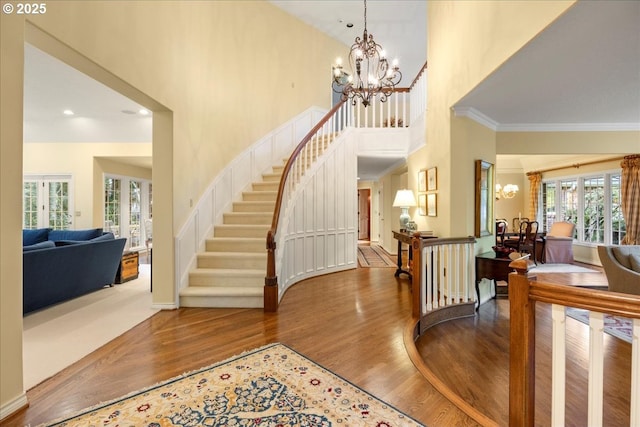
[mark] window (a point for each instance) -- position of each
(593, 212)
(127, 204)
(134, 212)
(112, 207)
(618, 226)
(47, 202)
(591, 202)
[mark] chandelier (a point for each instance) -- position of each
(370, 75)
(507, 192)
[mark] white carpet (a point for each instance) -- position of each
(561, 268)
(57, 337)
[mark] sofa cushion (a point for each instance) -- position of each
(635, 262)
(31, 237)
(622, 255)
(40, 245)
(105, 236)
(88, 234)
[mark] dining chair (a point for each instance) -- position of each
(501, 229)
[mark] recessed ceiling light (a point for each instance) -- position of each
(143, 112)
(68, 113)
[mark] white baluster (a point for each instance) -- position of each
(596, 369)
(428, 271)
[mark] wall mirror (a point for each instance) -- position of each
(484, 198)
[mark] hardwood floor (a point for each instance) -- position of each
(352, 323)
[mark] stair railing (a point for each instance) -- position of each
(524, 292)
(311, 146)
(443, 282)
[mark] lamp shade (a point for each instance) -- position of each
(404, 199)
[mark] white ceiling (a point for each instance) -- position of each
(582, 72)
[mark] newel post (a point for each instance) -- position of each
(271, 280)
(416, 275)
(522, 347)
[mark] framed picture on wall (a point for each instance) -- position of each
(422, 204)
(432, 179)
(432, 204)
(422, 180)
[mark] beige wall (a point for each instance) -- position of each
(86, 164)
(511, 208)
(466, 42)
(582, 142)
(216, 74)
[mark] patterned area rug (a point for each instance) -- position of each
(269, 386)
(619, 327)
(374, 256)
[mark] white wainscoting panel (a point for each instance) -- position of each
(322, 232)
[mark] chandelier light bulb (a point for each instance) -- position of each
(338, 61)
(383, 54)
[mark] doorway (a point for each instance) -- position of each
(364, 215)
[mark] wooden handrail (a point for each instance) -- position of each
(524, 292)
(271, 279)
(422, 70)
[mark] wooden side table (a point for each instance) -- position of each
(128, 269)
(488, 266)
(403, 237)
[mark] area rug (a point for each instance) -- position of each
(619, 327)
(270, 386)
(374, 256)
(561, 268)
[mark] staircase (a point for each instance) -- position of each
(231, 270)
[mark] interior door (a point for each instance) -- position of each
(364, 207)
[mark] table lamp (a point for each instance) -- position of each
(404, 200)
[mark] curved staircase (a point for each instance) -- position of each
(231, 270)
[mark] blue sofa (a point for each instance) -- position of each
(59, 265)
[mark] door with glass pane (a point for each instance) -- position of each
(47, 202)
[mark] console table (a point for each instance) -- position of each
(405, 237)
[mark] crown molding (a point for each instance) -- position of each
(487, 121)
(568, 127)
(477, 116)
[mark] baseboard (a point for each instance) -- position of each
(164, 306)
(13, 406)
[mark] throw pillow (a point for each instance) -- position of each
(31, 237)
(88, 234)
(635, 262)
(41, 245)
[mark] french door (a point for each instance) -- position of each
(47, 202)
